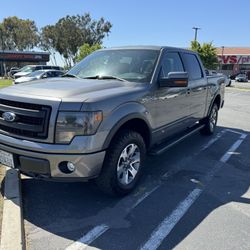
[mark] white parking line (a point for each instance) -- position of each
(167, 225)
(213, 140)
(97, 231)
(231, 150)
(170, 221)
(144, 196)
(86, 239)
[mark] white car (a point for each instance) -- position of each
(39, 74)
(26, 70)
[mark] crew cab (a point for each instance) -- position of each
(101, 119)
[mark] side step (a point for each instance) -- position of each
(161, 148)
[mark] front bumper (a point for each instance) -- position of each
(46, 164)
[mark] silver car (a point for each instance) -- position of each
(39, 74)
(241, 78)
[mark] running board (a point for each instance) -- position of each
(161, 148)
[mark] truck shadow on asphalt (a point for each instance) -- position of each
(69, 210)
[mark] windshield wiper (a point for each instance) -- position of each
(100, 77)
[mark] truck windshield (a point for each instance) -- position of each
(127, 64)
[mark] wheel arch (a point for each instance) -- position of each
(135, 122)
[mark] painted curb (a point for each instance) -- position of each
(12, 235)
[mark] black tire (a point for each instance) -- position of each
(211, 121)
(108, 181)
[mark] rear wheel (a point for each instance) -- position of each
(211, 121)
(123, 164)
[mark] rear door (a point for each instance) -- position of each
(197, 86)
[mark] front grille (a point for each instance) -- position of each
(32, 120)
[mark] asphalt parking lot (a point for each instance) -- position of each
(194, 196)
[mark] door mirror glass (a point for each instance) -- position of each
(174, 79)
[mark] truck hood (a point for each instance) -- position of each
(71, 88)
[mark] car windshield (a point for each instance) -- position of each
(27, 69)
(125, 64)
(36, 73)
(241, 75)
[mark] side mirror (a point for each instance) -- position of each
(44, 76)
(174, 79)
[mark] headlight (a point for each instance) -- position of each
(70, 124)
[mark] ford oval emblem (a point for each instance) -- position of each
(9, 116)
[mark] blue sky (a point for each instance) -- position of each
(225, 22)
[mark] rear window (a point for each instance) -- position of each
(38, 68)
(192, 66)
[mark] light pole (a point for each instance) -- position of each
(222, 54)
(195, 32)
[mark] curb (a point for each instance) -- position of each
(12, 235)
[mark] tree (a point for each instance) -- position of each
(86, 49)
(207, 53)
(18, 34)
(47, 40)
(71, 32)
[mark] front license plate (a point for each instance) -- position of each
(6, 159)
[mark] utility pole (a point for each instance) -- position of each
(222, 55)
(195, 32)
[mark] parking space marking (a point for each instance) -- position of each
(243, 135)
(88, 238)
(167, 225)
(232, 149)
(170, 221)
(213, 140)
(144, 196)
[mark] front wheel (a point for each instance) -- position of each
(123, 164)
(211, 121)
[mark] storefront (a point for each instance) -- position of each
(9, 59)
(234, 60)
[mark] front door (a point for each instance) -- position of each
(170, 105)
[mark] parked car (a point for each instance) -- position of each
(39, 74)
(26, 70)
(241, 78)
(13, 71)
(232, 77)
(103, 117)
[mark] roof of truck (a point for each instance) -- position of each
(146, 47)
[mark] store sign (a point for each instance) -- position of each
(234, 59)
(24, 57)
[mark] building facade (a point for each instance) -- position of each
(9, 59)
(234, 60)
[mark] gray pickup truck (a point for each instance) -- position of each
(109, 111)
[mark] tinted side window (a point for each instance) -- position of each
(59, 73)
(171, 63)
(46, 67)
(193, 66)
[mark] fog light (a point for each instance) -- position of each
(67, 167)
(71, 167)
